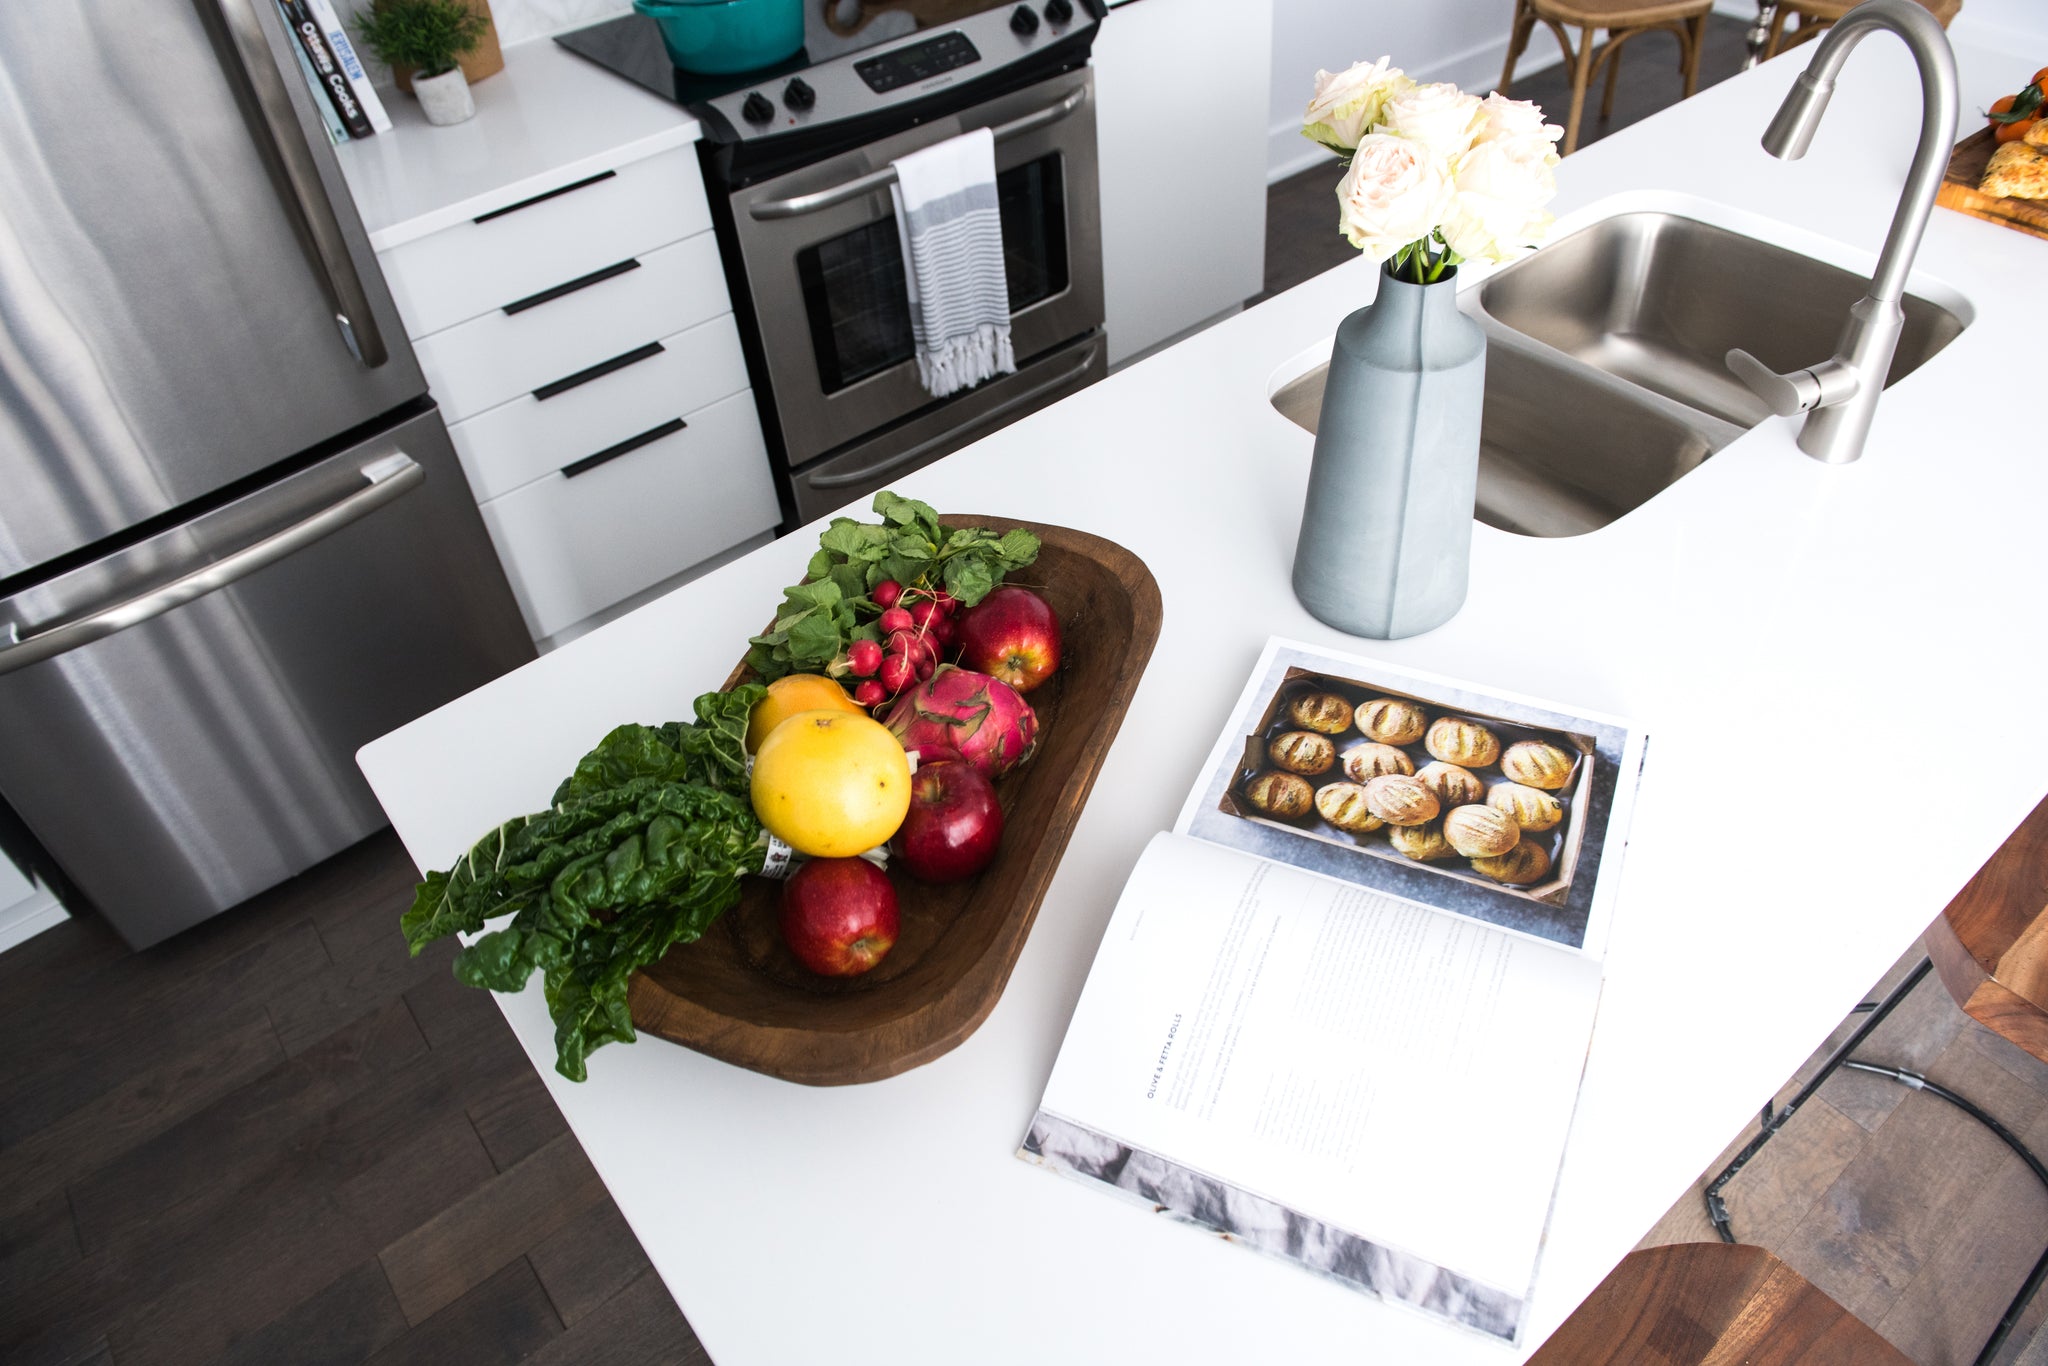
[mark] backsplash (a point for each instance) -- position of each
(521, 21)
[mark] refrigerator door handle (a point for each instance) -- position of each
(277, 129)
(385, 479)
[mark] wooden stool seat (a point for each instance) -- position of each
(1816, 15)
(1622, 20)
(1990, 947)
(1689, 1304)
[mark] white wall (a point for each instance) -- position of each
(1463, 41)
(2004, 23)
(521, 21)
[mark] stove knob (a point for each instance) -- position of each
(757, 108)
(1059, 11)
(798, 95)
(1024, 21)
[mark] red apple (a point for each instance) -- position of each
(954, 823)
(1013, 635)
(839, 916)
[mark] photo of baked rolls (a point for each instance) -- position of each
(1536, 764)
(1453, 784)
(1344, 806)
(1391, 721)
(1399, 799)
(1455, 740)
(1326, 712)
(1481, 831)
(1363, 763)
(1518, 867)
(1303, 751)
(1285, 795)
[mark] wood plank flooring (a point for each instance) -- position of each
(278, 1139)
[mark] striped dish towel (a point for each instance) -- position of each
(952, 236)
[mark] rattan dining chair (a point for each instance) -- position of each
(1622, 20)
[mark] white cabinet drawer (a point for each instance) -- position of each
(472, 268)
(536, 434)
(499, 356)
(574, 545)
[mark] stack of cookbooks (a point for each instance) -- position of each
(348, 105)
(1341, 1012)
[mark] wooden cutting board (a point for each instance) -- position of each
(1959, 189)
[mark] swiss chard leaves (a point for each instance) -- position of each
(644, 848)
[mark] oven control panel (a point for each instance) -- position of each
(921, 62)
(902, 70)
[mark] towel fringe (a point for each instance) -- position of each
(967, 360)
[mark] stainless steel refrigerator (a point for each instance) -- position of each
(235, 543)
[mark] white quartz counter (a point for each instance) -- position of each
(1839, 668)
(548, 119)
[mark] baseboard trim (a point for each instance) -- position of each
(24, 920)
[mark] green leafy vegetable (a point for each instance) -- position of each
(643, 848)
(831, 609)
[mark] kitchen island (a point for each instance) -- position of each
(1838, 668)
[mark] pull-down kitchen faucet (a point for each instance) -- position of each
(1839, 395)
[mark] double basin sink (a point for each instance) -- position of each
(1605, 379)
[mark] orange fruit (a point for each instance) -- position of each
(831, 783)
(791, 694)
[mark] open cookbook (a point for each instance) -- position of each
(1341, 1012)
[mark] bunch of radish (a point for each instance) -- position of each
(916, 626)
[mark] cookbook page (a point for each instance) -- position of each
(1476, 801)
(1367, 1086)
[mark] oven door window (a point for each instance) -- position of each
(854, 294)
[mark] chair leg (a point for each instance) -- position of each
(1694, 41)
(1613, 75)
(1777, 31)
(1582, 71)
(1518, 41)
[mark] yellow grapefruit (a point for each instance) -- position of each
(791, 694)
(831, 783)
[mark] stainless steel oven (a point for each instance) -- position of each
(797, 162)
(824, 268)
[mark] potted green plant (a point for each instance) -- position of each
(430, 35)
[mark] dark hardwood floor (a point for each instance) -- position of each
(1302, 240)
(278, 1139)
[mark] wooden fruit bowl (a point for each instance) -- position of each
(739, 996)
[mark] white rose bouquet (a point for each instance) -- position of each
(1434, 176)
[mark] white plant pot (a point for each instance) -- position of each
(444, 99)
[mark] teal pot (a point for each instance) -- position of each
(717, 37)
(1386, 538)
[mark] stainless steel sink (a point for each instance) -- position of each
(1563, 449)
(1605, 377)
(1659, 300)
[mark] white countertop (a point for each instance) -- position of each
(549, 118)
(1768, 618)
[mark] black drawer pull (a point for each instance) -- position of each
(598, 371)
(542, 198)
(626, 447)
(595, 277)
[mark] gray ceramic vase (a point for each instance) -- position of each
(1386, 539)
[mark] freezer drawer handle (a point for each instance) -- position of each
(1003, 409)
(277, 127)
(385, 478)
(884, 178)
(626, 447)
(598, 371)
(596, 277)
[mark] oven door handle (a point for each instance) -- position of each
(1003, 409)
(771, 209)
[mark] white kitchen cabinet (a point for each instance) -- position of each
(554, 263)
(1180, 117)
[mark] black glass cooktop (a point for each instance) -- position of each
(631, 46)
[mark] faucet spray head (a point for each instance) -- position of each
(1792, 127)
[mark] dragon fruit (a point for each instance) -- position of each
(983, 718)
